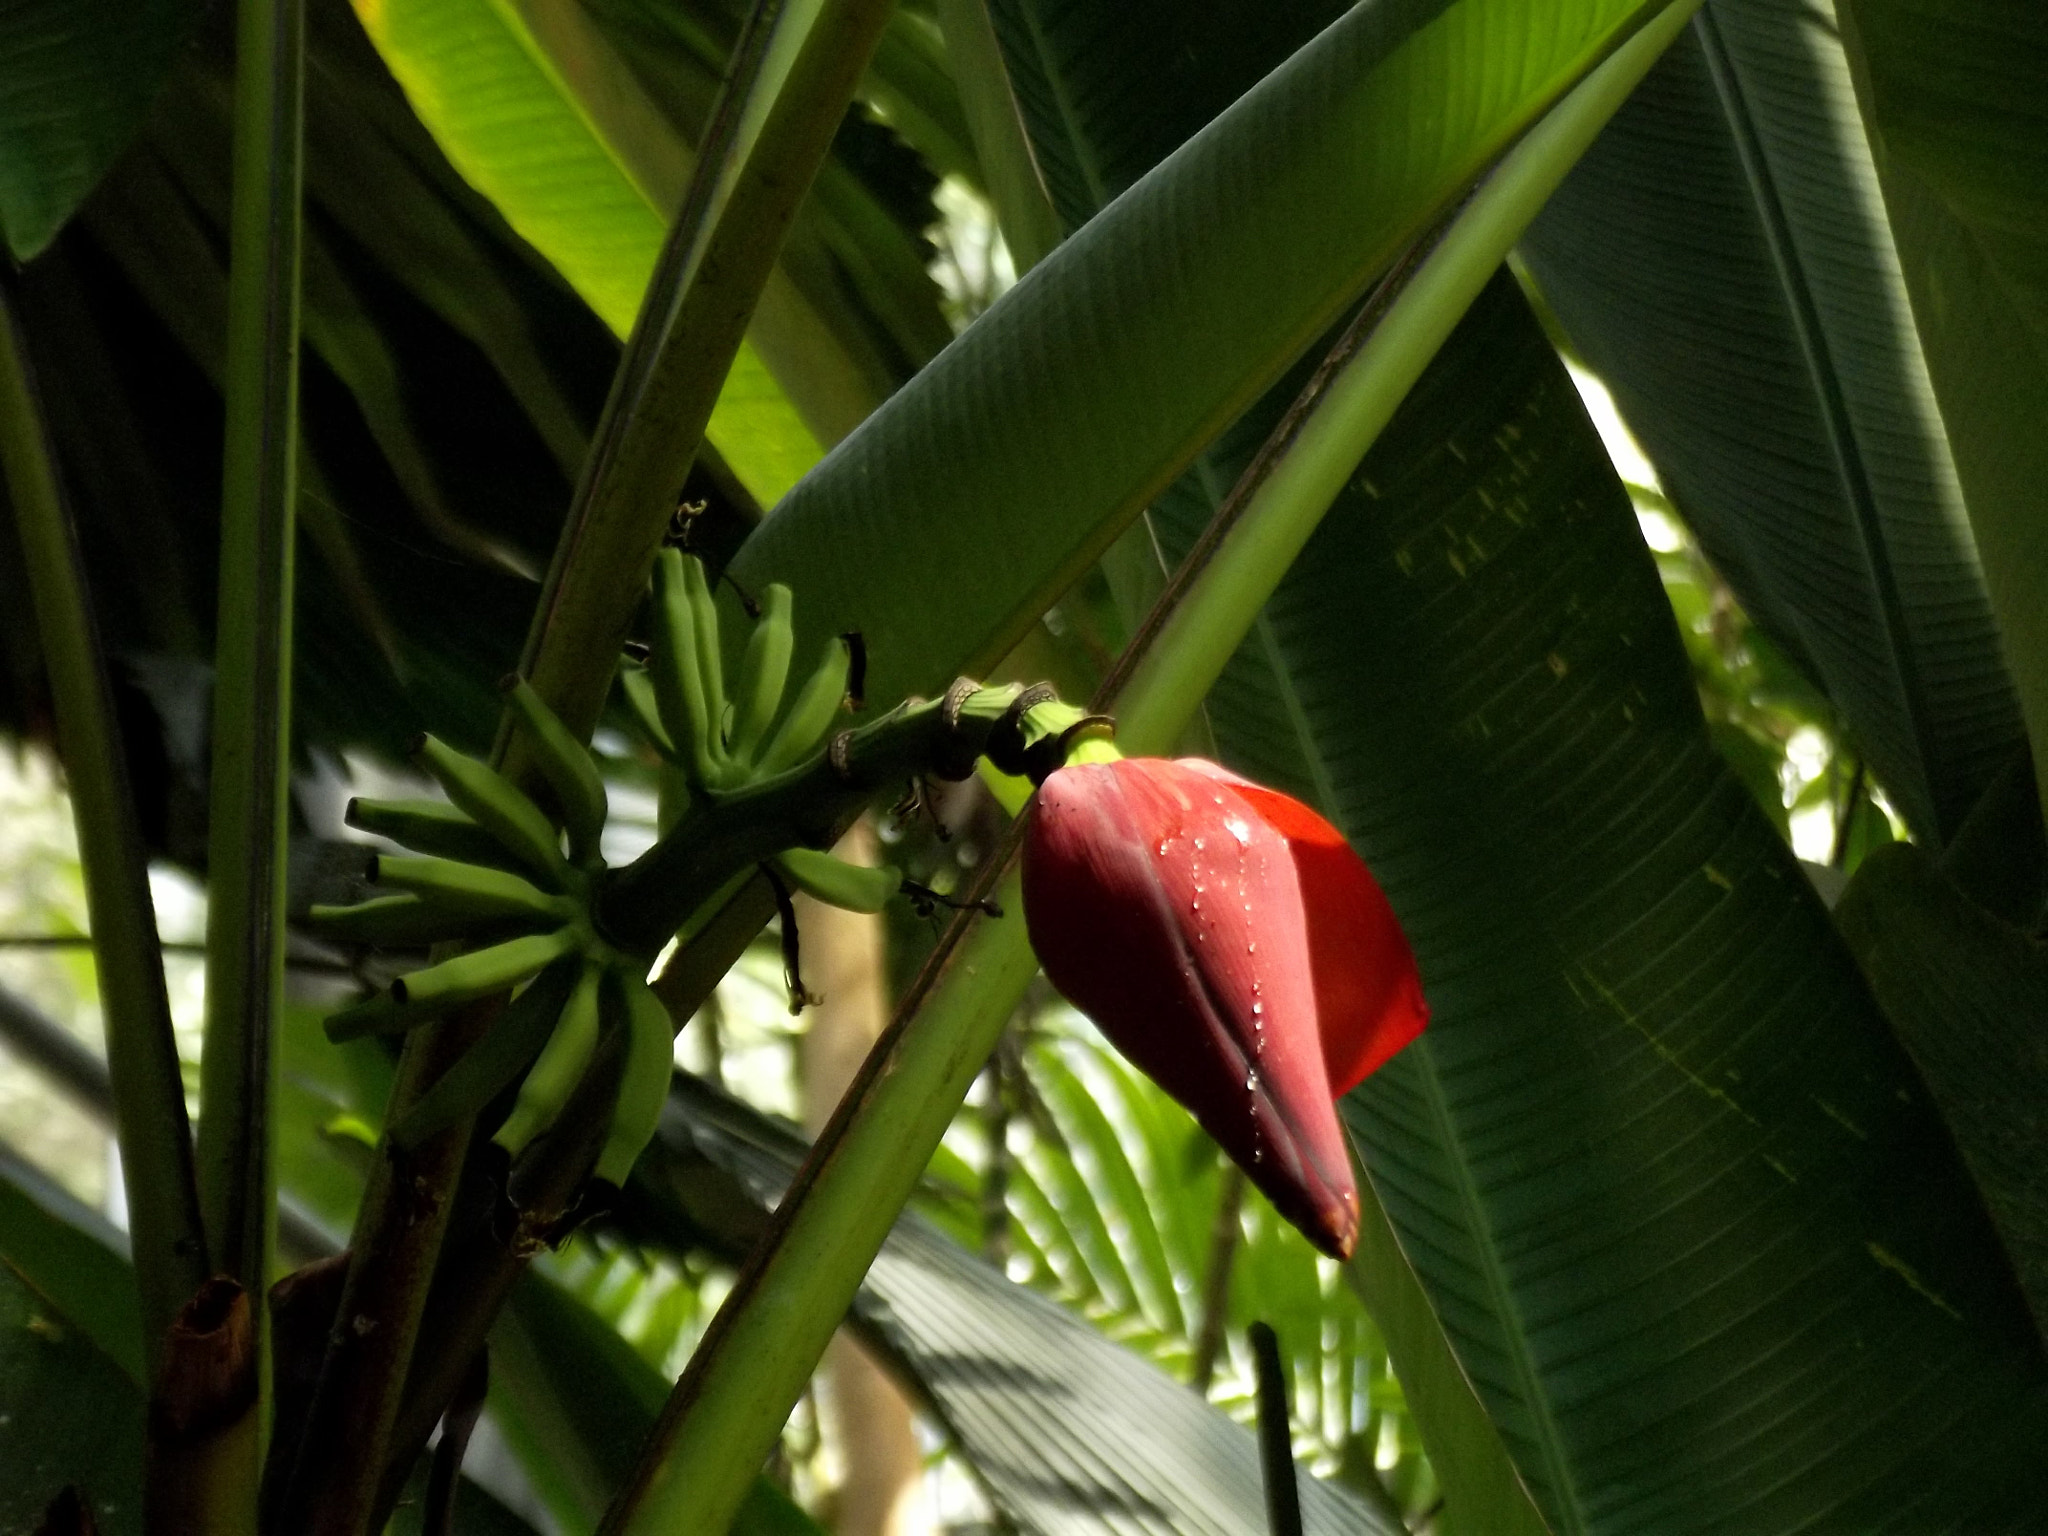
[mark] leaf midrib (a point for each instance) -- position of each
(1839, 429)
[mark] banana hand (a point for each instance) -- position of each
(487, 1068)
(811, 716)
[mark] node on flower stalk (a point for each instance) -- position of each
(1184, 910)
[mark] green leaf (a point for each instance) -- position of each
(1086, 389)
(1953, 97)
(73, 1259)
(68, 1415)
(1722, 260)
(593, 193)
(1105, 93)
(80, 76)
(1643, 1027)
(1968, 995)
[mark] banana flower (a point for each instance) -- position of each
(1230, 943)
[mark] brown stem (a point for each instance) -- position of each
(339, 1461)
(200, 1453)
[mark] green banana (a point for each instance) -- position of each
(566, 764)
(643, 1080)
(429, 826)
(471, 889)
(465, 978)
(638, 688)
(856, 887)
(710, 662)
(811, 716)
(559, 1067)
(678, 676)
(763, 672)
(500, 808)
(398, 920)
(415, 998)
(489, 1066)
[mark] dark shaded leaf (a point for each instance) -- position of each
(1968, 995)
(1085, 390)
(1721, 260)
(79, 77)
(1956, 99)
(1643, 1027)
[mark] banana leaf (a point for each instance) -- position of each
(1721, 258)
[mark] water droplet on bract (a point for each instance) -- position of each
(1251, 946)
(1163, 845)
(1251, 1081)
(1258, 1008)
(1258, 1155)
(1238, 828)
(1198, 845)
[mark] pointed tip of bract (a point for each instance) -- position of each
(1336, 1230)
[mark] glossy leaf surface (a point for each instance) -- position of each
(1267, 224)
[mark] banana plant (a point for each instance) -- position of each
(1681, 1213)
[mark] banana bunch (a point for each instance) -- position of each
(491, 871)
(715, 745)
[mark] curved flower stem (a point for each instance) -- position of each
(640, 906)
(736, 1393)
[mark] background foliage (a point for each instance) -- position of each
(1698, 1207)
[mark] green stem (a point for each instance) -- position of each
(793, 73)
(252, 671)
(643, 905)
(734, 1397)
(168, 1241)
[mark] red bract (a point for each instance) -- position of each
(1228, 941)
